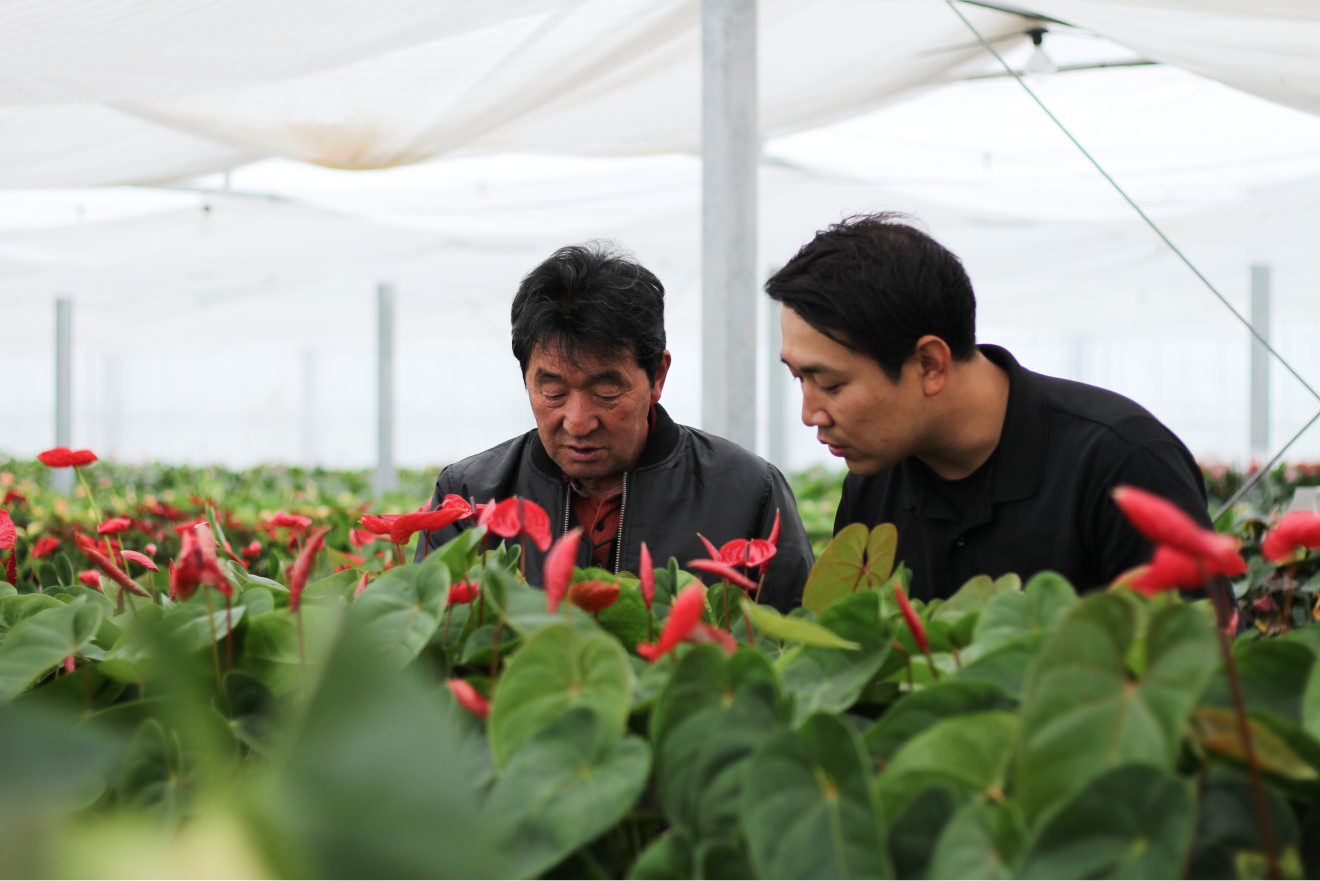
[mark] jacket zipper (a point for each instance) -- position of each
(618, 536)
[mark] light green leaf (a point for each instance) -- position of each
(971, 755)
(37, 644)
(769, 622)
(1037, 608)
(857, 559)
(984, 839)
(832, 679)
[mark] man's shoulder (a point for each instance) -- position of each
(1100, 411)
(490, 465)
(721, 451)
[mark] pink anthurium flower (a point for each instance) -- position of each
(302, 567)
(8, 532)
(559, 565)
(141, 559)
(647, 577)
(117, 575)
(196, 565)
(91, 578)
(469, 698)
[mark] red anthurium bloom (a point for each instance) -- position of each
(1297, 529)
(13, 496)
(63, 457)
(559, 567)
(684, 616)
(378, 524)
(302, 567)
(354, 558)
(292, 521)
(117, 575)
(1168, 569)
(8, 533)
(711, 551)
(184, 528)
(197, 565)
(141, 560)
(253, 549)
(725, 571)
(703, 632)
(362, 584)
(113, 526)
(44, 546)
(91, 578)
(463, 592)
(403, 527)
(912, 620)
(469, 698)
(647, 576)
(151, 549)
(592, 596)
(360, 537)
(1165, 523)
(513, 517)
(69, 663)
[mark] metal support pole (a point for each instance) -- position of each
(730, 148)
(777, 380)
(1260, 363)
(62, 478)
(386, 476)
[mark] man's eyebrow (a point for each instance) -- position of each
(608, 375)
(808, 369)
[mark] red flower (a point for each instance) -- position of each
(13, 496)
(1297, 529)
(8, 533)
(184, 528)
(91, 578)
(141, 560)
(592, 596)
(725, 571)
(722, 638)
(151, 549)
(302, 567)
(913, 622)
(362, 584)
(360, 537)
(296, 522)
(197, 565)
(1165, 523)
(513, 517)
(559, 567)
(117, 575)
(463, 592)
(44, 546)
(469, 698)
(647, 576)
(1168, 569)
(378, 524)
(113, 526)
(684, 616)
(253, 549)
(63, 457)
(403, 526)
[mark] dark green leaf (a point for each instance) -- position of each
(983, 840)
(1038, 608)
(403, 608)
(917, 711)
(913, 834)
(1274, 675)
(152, 776)
(831, 679)
(969, 754)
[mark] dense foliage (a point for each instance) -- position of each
(447, 719)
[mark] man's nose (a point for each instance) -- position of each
(579, 416)
(813, 413)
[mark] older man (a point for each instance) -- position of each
(589, 336)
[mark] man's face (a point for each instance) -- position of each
(866, 419)
(591, 415)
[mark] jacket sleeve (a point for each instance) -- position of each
(789, 568)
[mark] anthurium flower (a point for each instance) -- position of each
(44, 546)
(403, 526)
(362, 584)
(912, 620)
(289, 521)
(117, 575)
(63, 457)
(91, 578)
(1168, 569)
(8, 533)
(725, 571)
(253, 549)
(141, 560)
(151, 549)
(514, 516)
(684, 616)
(196, 564)
(647, 577)
(379, 524)
(463, 592)
(1297, 529)
(559, 567)
(113, 526)
(592, 596)
(13, 496)
(360, 537)
(1165, 523)
(704, 632)
(183, 528)
(469, 698)
(302, 567)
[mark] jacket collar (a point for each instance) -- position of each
(660, 442)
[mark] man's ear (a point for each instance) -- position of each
(934, 361)
(661, 372)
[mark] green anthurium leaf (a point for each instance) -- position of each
(332, 589)
(39, 643)
(970, 754)
(1009, 615)
(832, 679)
(271, 648)
(770, 622)
(241, 576)
(68, 592)
(705, 726)
(667, 856)
(153, 776)
(7, 590)
(722, 605)
(1005, 665)
(193, 628)
(51, 763)
(1083, 712)
(258, 600)
(1274, 675)
(65, 572)
(915, 831)
(984, 839)
(1135, 821)
(974, 595)
(1310, 706)
(1228, 825)
(917, 711)
(403, 608)
(857, 559)
(626, 618)
(251, 704)
(558, 668)
(570, 782)
(808, 806)
(1217, 731)
(482, 644)
(16, 608)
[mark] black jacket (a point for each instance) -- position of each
(686, 482)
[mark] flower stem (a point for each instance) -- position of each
(215, 648)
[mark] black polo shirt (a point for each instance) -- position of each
(1042, 499)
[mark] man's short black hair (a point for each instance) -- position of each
(876, 284)
(592, 301)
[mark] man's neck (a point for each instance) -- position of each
(971, 418)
